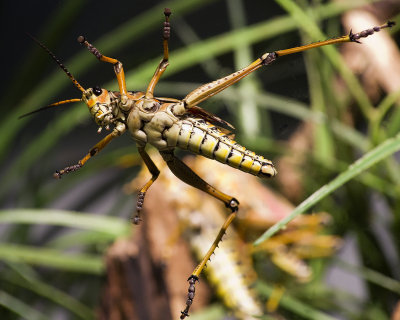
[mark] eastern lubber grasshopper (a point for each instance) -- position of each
(167, 123)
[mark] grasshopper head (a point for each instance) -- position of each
(99, 103)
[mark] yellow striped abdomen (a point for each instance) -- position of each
(206, 139)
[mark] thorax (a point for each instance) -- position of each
(147, 120)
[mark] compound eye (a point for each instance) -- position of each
(97, 90)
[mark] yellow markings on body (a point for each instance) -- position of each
(235, 158)
(184, 135)
(208, 146)
(255, 167)
(206, 139)
(222, 152)
(246, 164)
(196, 138)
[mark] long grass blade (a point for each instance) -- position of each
(379, 153)
(20, 308)
(52, 258)
(105, 224)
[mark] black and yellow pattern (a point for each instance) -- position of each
(208, 140)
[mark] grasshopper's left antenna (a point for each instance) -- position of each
(74, 81)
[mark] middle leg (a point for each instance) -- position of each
(142, 193)
(92, 152)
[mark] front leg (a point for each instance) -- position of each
(118, 130)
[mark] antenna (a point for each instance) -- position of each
(74, 81)
(50, 106)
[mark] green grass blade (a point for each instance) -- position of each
(20, 308)
(81, 238)
(43, 289)
(248, 111)
(382, 109)
(84, 263)
(379, 153)
(110, 225)
(372, 276)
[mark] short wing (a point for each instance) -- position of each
(224, 126)
(198, 112)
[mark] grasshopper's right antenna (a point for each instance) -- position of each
(74, 81)
(50, 106)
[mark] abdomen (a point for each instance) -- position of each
(207, 140)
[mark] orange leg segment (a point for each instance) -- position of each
(118, 69)
(164, 62)
(92, 152)
(210, 89)
(187, 175)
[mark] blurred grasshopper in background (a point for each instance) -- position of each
(195, 218)
(167, 123)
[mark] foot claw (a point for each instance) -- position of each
(139, 206)
(191, 292)
(58, 174)
(136, 219)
